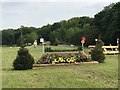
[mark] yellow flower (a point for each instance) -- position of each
(53, 62)
(61, 59)
(68, 60)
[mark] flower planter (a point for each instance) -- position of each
(63, 57)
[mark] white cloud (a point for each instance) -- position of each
(33, 13)
(92, 1)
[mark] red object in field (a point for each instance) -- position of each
(83, 38)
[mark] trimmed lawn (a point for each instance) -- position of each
(103, 75)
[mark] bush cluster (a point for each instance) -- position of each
(23, 60)
(97, 53)
(49, 49)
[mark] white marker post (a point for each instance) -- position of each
(96, 40)
(42, 41)
(83, 44)
(117, 41)
(118, 44)
(35, 43)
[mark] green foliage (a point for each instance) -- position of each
(30, 38)
(48, 49)
(107, 22)
(23, 60)
(80, 48)
(0, 38)
(67, 50)
(97, 52)
(63, 32)
(8, 37)
(53, 38)
(17, 36)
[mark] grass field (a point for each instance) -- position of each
(103, 75)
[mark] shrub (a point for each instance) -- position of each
(97, 52)
(48, 49)
(23, 60)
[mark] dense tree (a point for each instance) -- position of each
(16, 36)
(0, 37)
(8, 37)
(53, 38)
(107, 22)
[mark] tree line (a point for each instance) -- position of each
(105, 23)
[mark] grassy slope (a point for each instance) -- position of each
(82, 76)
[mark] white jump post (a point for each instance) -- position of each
(42, 41)
(118, 42)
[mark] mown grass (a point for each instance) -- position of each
(103, 75)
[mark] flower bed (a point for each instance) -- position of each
(63, 57)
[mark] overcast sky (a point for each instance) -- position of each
(37, 13)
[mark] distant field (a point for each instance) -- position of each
(74, 76)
